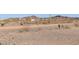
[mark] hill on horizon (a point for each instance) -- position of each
(40, 20)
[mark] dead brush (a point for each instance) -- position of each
(67, 27)
(26, 29)
(76, 24)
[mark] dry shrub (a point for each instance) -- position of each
(76, 23)
(66, 27)
(25, 29)
(44, 22)
(0, 43)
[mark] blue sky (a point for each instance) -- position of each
(39, 15)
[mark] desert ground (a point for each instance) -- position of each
(48, 34)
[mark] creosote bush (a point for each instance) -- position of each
(66, 27)
(25, 29)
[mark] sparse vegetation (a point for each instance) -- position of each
(76, 23)
(67, 27)
(24, 29)
(0, 43)
(36, 30)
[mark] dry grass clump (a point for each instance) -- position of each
(24, 29)
(76, 23)
(67, 27)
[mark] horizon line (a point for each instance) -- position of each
(4, 16)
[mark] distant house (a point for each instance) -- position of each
(34, 19)
(29, 19)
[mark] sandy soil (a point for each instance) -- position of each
(38, 34)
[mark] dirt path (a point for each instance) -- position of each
(31, 26)
(12, 27)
